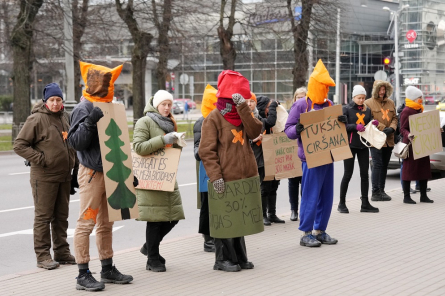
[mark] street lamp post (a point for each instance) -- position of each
(396, 45)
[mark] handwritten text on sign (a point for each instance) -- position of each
(280, 157)
(427, 136)
(157, 171)
(324, 137)
(236, 212)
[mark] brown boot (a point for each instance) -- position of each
(48, 264)
(66, 259)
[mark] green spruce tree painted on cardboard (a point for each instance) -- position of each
(122, 198)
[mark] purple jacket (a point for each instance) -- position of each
(297, 108)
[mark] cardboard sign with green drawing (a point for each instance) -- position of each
(427, 136)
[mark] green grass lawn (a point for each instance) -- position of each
(5, 143)
(5, 126)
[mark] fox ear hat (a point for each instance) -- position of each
(319, 83)
(99, 82)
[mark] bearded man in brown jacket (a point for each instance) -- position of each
(227, 156)
(383, 110)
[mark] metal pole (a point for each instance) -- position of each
(337, 62)
(396, 43)
(69, 57)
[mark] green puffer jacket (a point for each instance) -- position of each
(154, 206)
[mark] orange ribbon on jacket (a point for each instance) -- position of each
(360, 118)
(385, 113)
(237, 136)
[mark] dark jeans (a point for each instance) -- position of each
(204, 226)
(154, 234)
(294, 188)
(363, 163)
(268, 194)
(380, 160)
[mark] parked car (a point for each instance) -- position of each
(178, 108)
(441, 105)
(437, 160)
(433, 98)
(192, 105)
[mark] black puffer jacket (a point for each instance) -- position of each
(352, 112)
(271, 118)
(197, 137)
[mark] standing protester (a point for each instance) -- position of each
(267, 110)
(207, 105)
(83, 136)
(227, 155)
(418, 169)
(318, 183)
(294, 183)
(384, 111)
(358, 116)
(43, 142)
(161, 209)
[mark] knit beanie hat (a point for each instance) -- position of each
(262, 102)
(208, 100)
(232, 82)
(413, 93)
(52, 90)
(99, 82)
(358, 90)
(253, 97)
(160, 96)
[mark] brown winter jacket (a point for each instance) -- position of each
(225, 149)
(42, 142)
(384, 111)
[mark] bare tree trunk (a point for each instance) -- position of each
(226, 48)
(163, 40)
(300, 34)
(141, 49)
(79, 24)
(21, 41)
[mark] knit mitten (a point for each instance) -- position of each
(360, 127)
(219, 186)
(238, 99)
(375, 122)
(170, 138)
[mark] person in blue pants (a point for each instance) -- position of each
(318, 182)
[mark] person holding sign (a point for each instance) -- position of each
(207, 105)
(358, 116)
(227, 155)
(413, 169)
(83, 136)
(161, 209)
(318, 182)
(384, 111)
(43, 142)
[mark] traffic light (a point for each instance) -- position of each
(387, 62)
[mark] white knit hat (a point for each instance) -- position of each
(413, 93)
(358, 90)
(160, 96)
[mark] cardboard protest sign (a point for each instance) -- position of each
(117, 163)
(324, 138)
(157, 171)
(427, 136)
(281, 159)
(236, 212)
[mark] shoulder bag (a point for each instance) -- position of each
(373, 136)
(401, 150)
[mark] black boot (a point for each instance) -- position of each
(342, 208)
(423, 184)
(266, 221)
(144, 251)
(376, 195)
(274, 219)
(294, 215)
(367, 207)
(226, 265)
(209, 245)
(406, 193)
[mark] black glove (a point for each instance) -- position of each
(342, 118)
(135, 181)
(74, 183)
(299, 127)
(388, 130)
(94, 116)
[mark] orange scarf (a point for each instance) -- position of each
(413, 105)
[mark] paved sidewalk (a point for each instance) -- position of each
(399, 251)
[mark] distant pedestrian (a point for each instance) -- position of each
(383, 110)
(186, 110)
(358, 116)
(318, 182)
(294, 183)
(161, 209)
(418, 169)
(43, 142)
(84, 137)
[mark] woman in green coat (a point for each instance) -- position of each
(161, 209)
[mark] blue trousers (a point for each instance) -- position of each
(317, 197)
